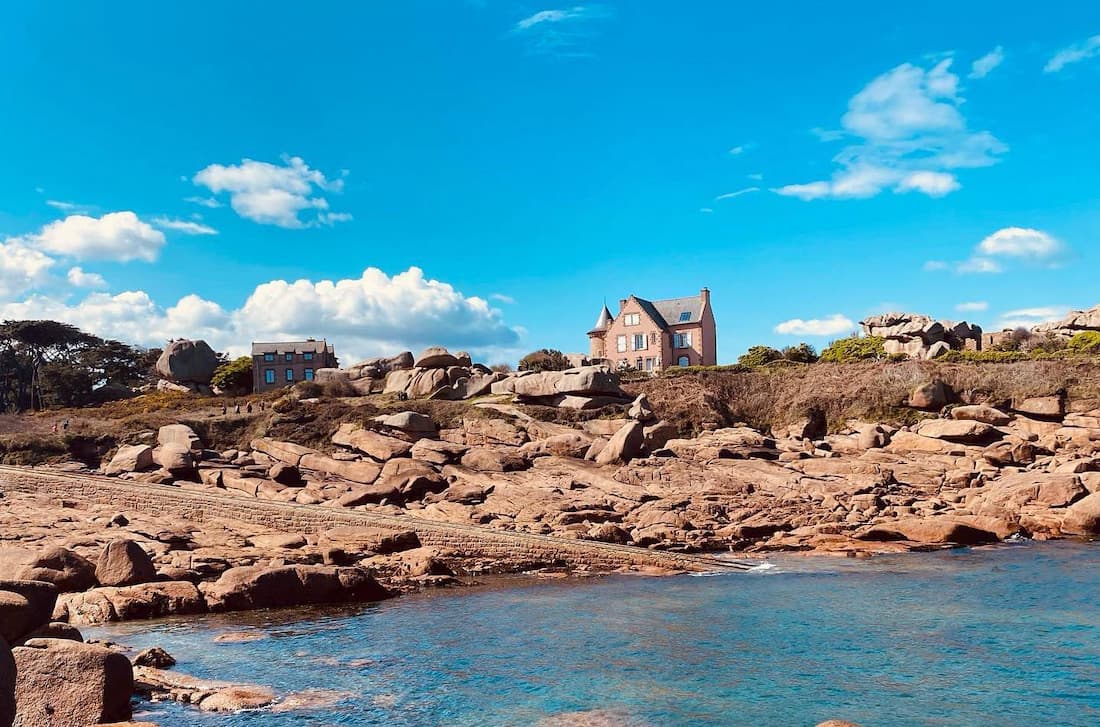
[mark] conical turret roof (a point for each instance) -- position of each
(603, 322)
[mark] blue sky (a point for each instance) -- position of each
(485, 174)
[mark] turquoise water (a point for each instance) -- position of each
(1001, 636)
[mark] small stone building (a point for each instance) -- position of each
(284, 363)
(651, 335)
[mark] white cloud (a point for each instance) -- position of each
(501, 297)
(374, 314)
(907, 135)
(985, 65)
(1021, 242)
(738, 193)
(67, 206)
(204, 201)
(1075, 53)
(830, 326)
(21, 267)
(118, 236)
(1028, 317)
(560, 32)
(978, 264)
(187, 227)
(81, 279)
(972, 306)
(275, 195)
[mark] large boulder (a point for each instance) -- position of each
(129, 603)
(377, 368)
(25, 607)
(625, 445)
(175, 458)
(435, 357)
(931, 530)
(981, 413)
(124, 563)
(7, 685)
(65, 569)
(252, 587)
(956, 430)
(130, 458)
(585, 381)
(1083, 516)
(1075, 322)
(180, 434)
(187, 362)
(63, 682)
(379, 446)
(932, 395)
(408, 421)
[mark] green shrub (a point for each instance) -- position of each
(988, 356)
(759, 356)
(802, 353)
(1086, 342)
(546, 359)
(682, 370)
(234, 378)
(854, 348)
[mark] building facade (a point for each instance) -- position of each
(654, 335)
(284, 363)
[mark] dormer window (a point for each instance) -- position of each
(685, 316)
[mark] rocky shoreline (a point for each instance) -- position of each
(967, 471)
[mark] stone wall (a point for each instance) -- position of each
(462, 540)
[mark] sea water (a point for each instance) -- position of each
(1007, 635)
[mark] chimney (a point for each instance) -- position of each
(705, 295)
(622, 304)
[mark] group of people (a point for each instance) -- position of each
(247, 408)
(64, 426)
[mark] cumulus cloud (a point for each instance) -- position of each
(117, 236)
(985, 65)
(1021, 242)
(975, 306)
(502, 298)
(906, 134)
(1088, 48)
(81, 279)
(287, 196)
(373, 314)
(187, 227)
(21, 267)
(560, 32)
(831, 326)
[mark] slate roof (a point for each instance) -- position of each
(258, 349)
(667, 313)
(603, 322)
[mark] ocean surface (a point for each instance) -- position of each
(1008, 635)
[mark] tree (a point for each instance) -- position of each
(802, 353)
(234, 378)
(545, 359)
(759, 356)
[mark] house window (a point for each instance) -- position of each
(638, 363)
(683, 361)
(649, 364)
(290, 374)
(309, 374)
(685, 316)
(682, 340)
(620, 344)
(308, 355)
(639, 341)
(289, 357)
(269, 357)
(269, 376)
(632, 319)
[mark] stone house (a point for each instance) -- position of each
(283, 363)
(653, 335)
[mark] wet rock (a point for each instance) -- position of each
(128, 603)
(61, 682)
(154, 656)
(124, 563)
(53, 630)
(931, 530)
(253, 587)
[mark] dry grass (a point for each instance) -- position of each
(871, 391)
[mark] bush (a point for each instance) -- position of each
(501, 368)
(1086, 342)
(802, 353)
(759, 356)
(992, 355)
(234, 378)
(854, 348)
(546, 359)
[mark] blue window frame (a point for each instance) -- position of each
(269, 357)
(309, 374)
(290, 374)
(685, 316)
(269, 376)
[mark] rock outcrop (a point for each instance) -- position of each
(919, 336)
(188, 364)
(63, 682)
